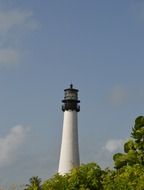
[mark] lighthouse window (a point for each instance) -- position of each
(70, 95)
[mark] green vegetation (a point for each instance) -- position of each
(85, 177)
(127, 175)
(35, 184)
(133, 148)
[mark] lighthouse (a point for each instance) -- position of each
(69, 154)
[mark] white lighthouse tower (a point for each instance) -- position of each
(69, 155)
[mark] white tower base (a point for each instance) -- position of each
(69, 155)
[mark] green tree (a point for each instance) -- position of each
(86, 177)
(127, 178)
(34, 184)
(133, 148)
(57, 182)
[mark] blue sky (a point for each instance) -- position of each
(46, 45)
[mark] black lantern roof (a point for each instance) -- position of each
(71, 99)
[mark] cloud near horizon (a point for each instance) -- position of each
(113, 145)
(118, 96)
(138, 10)
(13, 25)
(8, 57)
(10, 144)
(14, 19)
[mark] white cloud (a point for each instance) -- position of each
(113, 145)
(8, 57)
(15, 18)
(118, 96)
(11, 143)
(140, 10)
(137, 10)
(121, 96)
(14, 24)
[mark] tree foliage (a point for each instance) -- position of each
(133, 148)
(127, 178)
(85, 177)
(34, 184)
